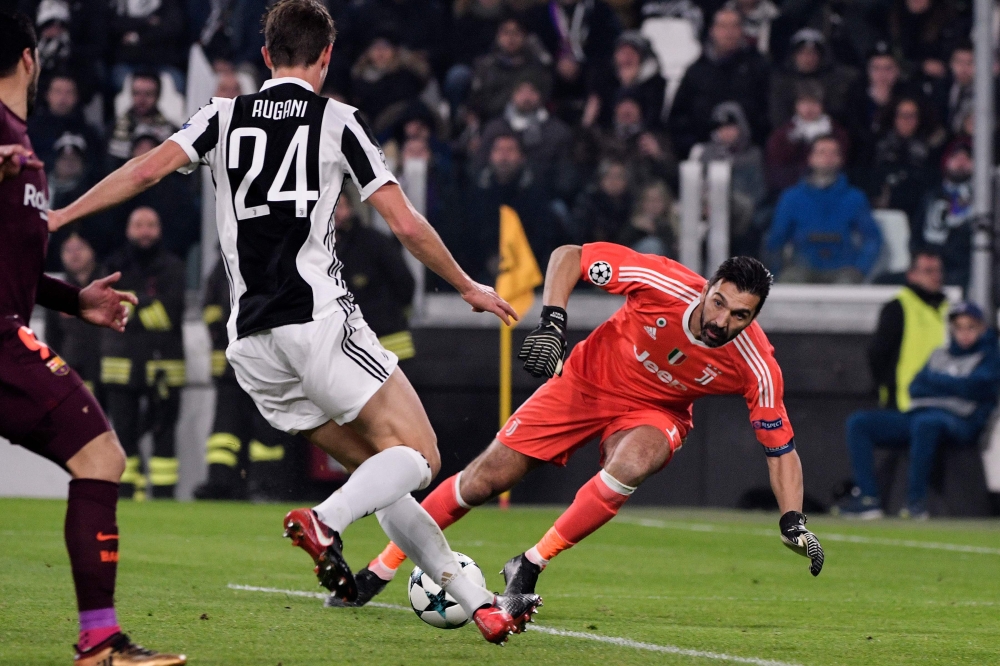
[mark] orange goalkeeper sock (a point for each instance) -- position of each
(597, 502)
(445, 506)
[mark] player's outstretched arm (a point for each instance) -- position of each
(544, 350)
(135, 176)
(786, 481)
(419, 237)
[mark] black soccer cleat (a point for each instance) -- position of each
(369, 586)
(521, 575)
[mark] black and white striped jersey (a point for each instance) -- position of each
(279, 159)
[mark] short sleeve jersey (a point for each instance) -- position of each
(279, 158)
(647, 354)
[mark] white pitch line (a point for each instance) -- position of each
(824, 536)
(534, 626)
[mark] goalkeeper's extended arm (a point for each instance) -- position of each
(544, 349)
(786, 481)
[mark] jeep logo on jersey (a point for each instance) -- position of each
(36, 198)
(600, 273)
(766, 425)
(662, 375)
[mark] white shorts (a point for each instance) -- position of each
(303, 375)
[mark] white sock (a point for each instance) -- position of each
(416, 533)
(535, 558)
(375, 484)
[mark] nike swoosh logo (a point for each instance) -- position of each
(101, 536)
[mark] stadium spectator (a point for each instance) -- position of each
(580, 35)
(910, 327)
(788, 146)
(923, 32)
(545, 139)
(75, 339)
(418, 160)
(951, 95)
(385, 78)
(652, 228)
(756, 17)
(147, 360)
(903, 169)
(68, 179)
(948, 219)
(810, 61)
(506, 180)
(474, 28)
(419, 27)
(870, 111)
(604, 208)
(516, 56)
(71, 41)
(731, 142)
(147, 36)
(61, 115)
(636, 74)
(144, 112)
(847, 28)
(827, 222)
(228, 84)
(676, 9)
(726, 71)
(952, 398)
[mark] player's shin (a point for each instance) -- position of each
(445, 505)
(377, 483)
(410, 526)
(597, 502)
(91, 533)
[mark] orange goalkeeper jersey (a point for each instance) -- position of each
(646, 354)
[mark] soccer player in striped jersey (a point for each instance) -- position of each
(632, 384)
(297, 342)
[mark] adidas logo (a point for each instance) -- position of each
(651, 331)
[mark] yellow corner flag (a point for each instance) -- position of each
(516, 282)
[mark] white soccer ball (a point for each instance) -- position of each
(435, 606)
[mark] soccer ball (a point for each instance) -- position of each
(435, 606)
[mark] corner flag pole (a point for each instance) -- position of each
(506, 350)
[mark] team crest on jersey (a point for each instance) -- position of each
(676, 357)
(512, 427)
(708, 375)
(651, 331)
(57, 366)
(600, 273)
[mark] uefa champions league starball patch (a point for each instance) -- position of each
(600, 273)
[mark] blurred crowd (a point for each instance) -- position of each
(576, 113)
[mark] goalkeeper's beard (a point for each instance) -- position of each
(712, 335)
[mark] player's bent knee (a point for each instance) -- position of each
(102, 458)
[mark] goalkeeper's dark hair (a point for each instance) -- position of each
(16, 34)
(297, 31)
(748, 275)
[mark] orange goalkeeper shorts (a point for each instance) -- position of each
(559, 418)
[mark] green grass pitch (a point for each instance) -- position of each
(716, 582)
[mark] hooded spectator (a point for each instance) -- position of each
(788, 146)
(948, 220)
(827, 222)
(385, 78)
(515, 56)
(726, 71)
(71, 41)
(637, 75)
(810, 61)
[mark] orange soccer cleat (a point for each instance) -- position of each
(119, 650)
(324, 545)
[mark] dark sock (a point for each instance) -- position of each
(92, 541)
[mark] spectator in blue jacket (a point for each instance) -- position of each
(827, 221)
(951, 401)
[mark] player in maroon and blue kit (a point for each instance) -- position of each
(44, 405)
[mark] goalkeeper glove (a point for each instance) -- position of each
(795, 535)
(544, 349)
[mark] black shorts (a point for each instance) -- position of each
(44, 405)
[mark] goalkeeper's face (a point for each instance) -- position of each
(725, 313)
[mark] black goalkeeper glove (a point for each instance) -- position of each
(544, 349)
(795, 535)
